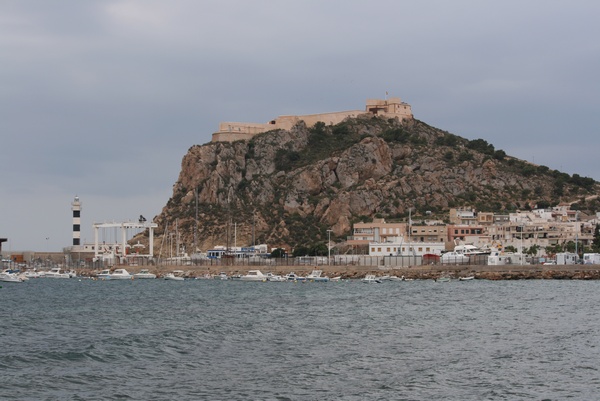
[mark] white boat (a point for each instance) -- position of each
(221, 276)
(396, 278)
(291, 276)
(443, 280)
(254, 275)
(9, 276)
(56, 272)
(104, 274)
(371, 279)
(275, 277)
(143, 274)
(32, 274)
(175, 275)
(470, 250)
(454, 258)
(467, 278)
(120, 274)
(316, 276)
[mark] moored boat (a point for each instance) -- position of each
(254, 275)
(275, 277)
(371, 279)
(8, 276)
(56, 272)
(120, 274)
(144, 274)
(221, 276)
(291, 276)
(32, 274)
(104, 274)
(175, 275)
(317, 277)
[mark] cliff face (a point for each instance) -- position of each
(287, 188)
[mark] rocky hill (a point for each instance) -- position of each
(287, 188)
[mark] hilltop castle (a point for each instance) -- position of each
(391, 108)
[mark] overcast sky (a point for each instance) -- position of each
(102, 99)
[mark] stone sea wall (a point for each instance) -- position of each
(514, 272)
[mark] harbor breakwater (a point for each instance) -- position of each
(506, 272)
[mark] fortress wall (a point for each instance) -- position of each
(250, 128)
(234, 131)
(231, 136)
(329, 118)
(286, 122)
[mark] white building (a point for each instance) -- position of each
(399, 247)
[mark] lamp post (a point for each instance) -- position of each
(522, 254)
(329, 247)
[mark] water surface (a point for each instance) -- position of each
(227, 340)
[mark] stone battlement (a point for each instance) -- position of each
(236, 131)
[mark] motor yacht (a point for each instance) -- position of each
(275, 277)
(120, 274)
(317, 277)
(9, 276)
(254, 275)
(291, 276)
(175, 275)
(104, 274)
(56, 272)
(371, 279)
(145, 274)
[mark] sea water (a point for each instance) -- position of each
(229, 340)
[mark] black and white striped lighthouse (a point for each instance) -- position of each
(76, 208)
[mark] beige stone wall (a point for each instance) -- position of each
(234, 131)
(231, 136)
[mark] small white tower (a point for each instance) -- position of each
(76, 208)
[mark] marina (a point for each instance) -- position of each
(324, 274)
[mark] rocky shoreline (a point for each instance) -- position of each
(510, 272)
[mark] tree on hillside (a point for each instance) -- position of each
(278, 253)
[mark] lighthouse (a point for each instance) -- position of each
(76, 208)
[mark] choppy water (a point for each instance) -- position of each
(216, 340)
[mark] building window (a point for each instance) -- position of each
(76, 227)
(76, 213)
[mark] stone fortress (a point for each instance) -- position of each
(390, 108)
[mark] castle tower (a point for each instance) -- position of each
(76, 208)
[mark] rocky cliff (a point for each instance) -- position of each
(287, 188)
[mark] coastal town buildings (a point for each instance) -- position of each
(520, 230)
(376, 231)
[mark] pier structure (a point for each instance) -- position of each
(108, 251)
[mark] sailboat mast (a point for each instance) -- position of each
(196, 222)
